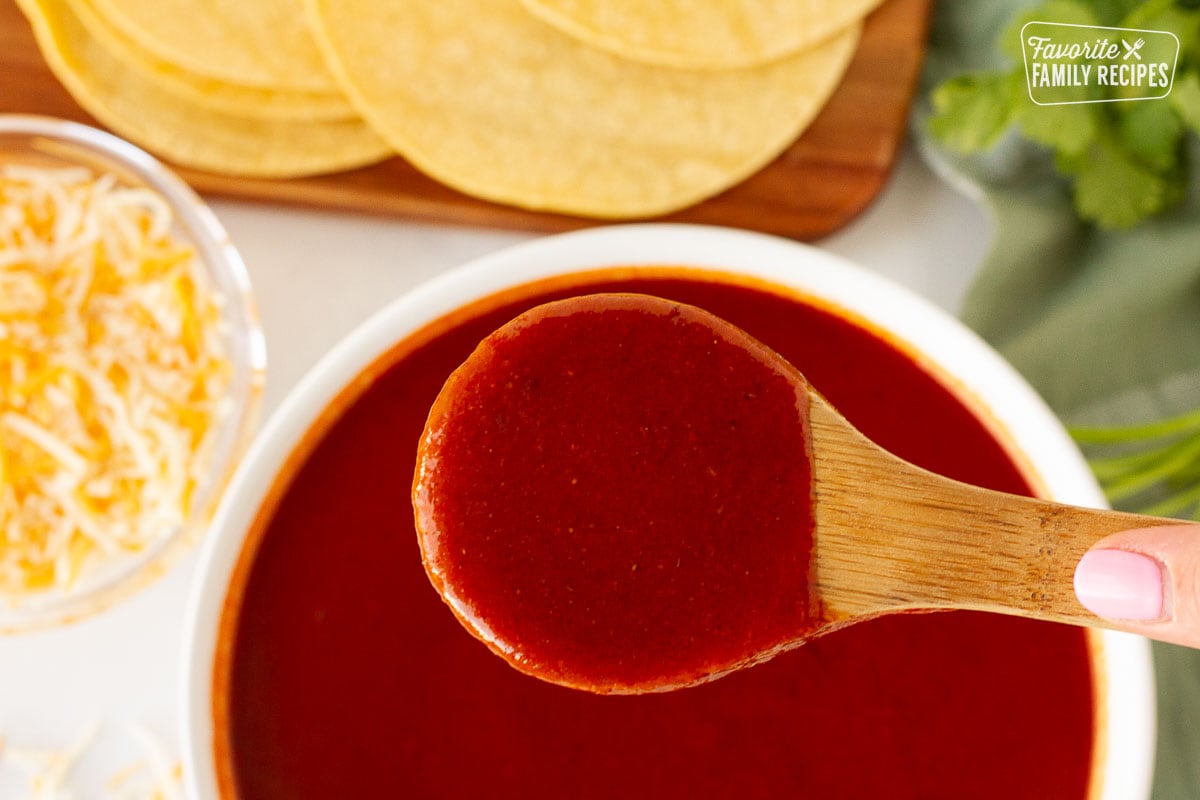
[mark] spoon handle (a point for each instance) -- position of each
(891, 536)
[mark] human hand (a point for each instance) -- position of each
(1146, 581)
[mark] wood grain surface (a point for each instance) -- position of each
(892, 537)
(820, 183)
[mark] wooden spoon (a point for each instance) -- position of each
(892, 537)
(842, 531)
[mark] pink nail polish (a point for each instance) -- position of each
(1117, 584)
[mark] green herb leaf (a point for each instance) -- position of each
(1152, 132)
(1114, 191)
(972, 111)
(1068, 129)
(1185, 99)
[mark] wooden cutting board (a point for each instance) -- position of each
(817, 185)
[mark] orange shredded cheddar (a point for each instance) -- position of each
(113, 374)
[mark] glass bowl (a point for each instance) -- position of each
(47, 142)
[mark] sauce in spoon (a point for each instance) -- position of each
(612, 493)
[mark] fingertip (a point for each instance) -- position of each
(1122, 578)
(1120, 585)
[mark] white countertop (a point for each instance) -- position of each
(316, 275)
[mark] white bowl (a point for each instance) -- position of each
(1125, 740)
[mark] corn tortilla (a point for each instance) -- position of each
(142, 111)
(511, 110)
(702, 34)
(213, 93)
(262, 43)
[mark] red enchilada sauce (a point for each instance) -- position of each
(348, 676)
(614, 493)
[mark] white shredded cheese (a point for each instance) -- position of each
(46, 770)
(156, 778)
(113, 373)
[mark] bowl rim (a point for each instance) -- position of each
(99, 150)
(1126, 722)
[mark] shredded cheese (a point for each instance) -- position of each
(155, 778)
(113, 374)
(47, 770)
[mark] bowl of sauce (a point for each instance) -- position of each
(320, 661)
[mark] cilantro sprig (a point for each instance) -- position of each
(1152, 468)
(1124, 161)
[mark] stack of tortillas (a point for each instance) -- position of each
(603, 108)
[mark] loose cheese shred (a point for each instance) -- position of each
(47, 770)
(155, 778)
(113, 374)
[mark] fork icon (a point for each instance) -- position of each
(1132, 49)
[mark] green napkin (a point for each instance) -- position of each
(1104, 324)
